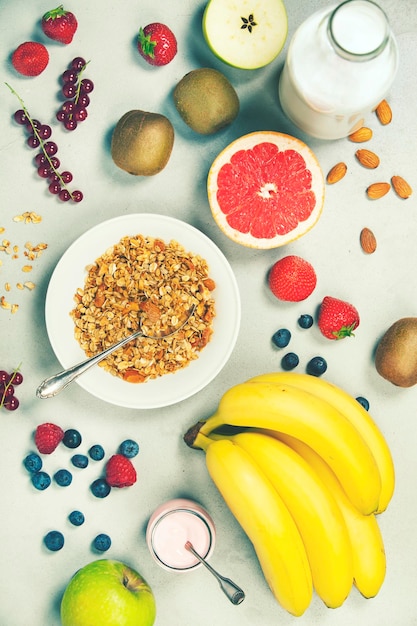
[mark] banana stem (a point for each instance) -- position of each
(202, 441)
(194, 438)
(191, 434)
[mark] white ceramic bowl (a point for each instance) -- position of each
(169, 389)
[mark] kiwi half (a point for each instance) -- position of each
(142, 142)
(206, 100)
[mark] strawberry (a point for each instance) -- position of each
(59, 25)
(30, 58)
(47, 437)
(157, 44)
(337, 319)
(120, 471)
(292, 279)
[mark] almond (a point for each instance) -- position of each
(367, 158)
(336, 173)
(360, 135)
(377, 190)
(401, 187)
(384, 112)
(368, 241)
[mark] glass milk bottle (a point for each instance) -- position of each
(341, 63)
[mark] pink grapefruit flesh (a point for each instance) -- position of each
(266, 189)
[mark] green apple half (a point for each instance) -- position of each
(107, 593)
(247, 34)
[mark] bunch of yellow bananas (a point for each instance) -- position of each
(304, 469)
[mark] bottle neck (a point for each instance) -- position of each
(358, 30)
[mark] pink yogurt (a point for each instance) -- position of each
(171, 526)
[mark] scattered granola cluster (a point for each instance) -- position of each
(30, 252)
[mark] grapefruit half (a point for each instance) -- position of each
(266, 189)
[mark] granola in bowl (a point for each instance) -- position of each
(152, 281)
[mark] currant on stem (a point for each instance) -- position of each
(75, 90)
(46, 162)
(8, 382)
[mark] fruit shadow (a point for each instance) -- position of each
(56, 602)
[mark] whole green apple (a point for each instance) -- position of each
(107, 593)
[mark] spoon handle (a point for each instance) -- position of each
(235, 594)
(53, 385)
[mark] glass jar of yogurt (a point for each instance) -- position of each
(173, 524)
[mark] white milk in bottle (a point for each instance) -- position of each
(340, 64)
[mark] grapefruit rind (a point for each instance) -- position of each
(284, 143)
(229, 37)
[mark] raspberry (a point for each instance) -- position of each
(120, 471)
(47, 437)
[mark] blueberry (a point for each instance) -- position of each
(129, 448)
(96, 452)
(100, 488)
(281, 338)
(316, 366)
(63, 477)
(102, 542)
(364, 402)
(72, 438)
(54, 540)
(41, 480)
(80, 460)
(76, 518)
(33, 462)
(289, 361)
(305, 321)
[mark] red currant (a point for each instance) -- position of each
(64, 195)
(44, 171)
(54, 188)
(33, 142)
(69, 76)
(66, 177)
(69, 90)
(81, 115)
(50, 148)
(87, 85)
(20, 117)
(77, 196)
(11, 404)
(78, 63)
(16, 378)
(45, 131)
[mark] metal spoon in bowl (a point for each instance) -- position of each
(53, 385)
(235, 594)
